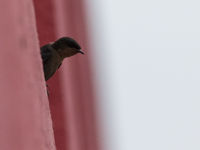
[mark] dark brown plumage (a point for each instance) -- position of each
(53, 54)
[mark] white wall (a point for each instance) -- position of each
(147, 57)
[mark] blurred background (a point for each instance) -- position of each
(146, 56)
(137, 87)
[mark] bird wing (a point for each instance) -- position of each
(46, 53)
(49, 60)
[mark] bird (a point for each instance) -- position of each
(54, 53)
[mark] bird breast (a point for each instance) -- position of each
(52, 65)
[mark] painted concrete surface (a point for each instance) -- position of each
(24, 112)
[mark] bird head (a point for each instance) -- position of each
(67, 47)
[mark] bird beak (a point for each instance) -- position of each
(80, 51)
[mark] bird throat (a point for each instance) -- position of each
(60, 55)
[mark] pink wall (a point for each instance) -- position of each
(24, 112)
(26, 123)
(72, 97)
